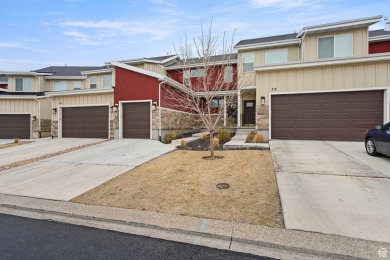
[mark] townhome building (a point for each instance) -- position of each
(326, 82)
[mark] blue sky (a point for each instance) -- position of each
(39, 33)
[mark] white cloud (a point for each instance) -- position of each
(9, 44)
(155, 30)
(278, 3)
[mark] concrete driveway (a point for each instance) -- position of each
(40, 147)
(334, 188)
(66, 176)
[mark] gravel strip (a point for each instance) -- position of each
(42, 157)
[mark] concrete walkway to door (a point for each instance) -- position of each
(69, 175)
(324, 187)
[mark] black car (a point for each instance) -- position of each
(377, 140)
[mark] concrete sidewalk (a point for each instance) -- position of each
(239, 142)
(258, 240)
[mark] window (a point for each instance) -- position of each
(59, 85)
(248, 59)
(228, 74)
(186, 77)
(107, 81)
(335, 46)
(76, 85)
(216, 102)
(92, 82)
(197, 73)
(276, 56)
(23, 84)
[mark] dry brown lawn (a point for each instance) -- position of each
(181, 182)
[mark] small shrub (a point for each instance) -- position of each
(224, 134)
(169, 136)
(250, 137)
(215, 143)
(183, 143)
(16, 140)
(205, 137)
(259, 138)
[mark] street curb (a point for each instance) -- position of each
(258, 240)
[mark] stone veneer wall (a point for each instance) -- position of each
(175, 120)
(262, 117)
(54, 128)
(114, 125)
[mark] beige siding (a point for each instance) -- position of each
(359, 40)
(35, 83)
(19, 106)
(360, 75)
(45, 105)
(155, 68)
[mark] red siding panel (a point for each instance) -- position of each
(3, 86)
(379, 47)
(130, 85)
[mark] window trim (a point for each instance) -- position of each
(54, 85)
(90, 82)
(273, 50)
(23, 85)
(334, 45)
(251, 62)
(188, 78)
(231, 76)
(105, 76)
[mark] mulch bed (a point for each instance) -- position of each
(203, 144)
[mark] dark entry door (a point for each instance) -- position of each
(249, 112)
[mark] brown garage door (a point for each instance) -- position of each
(85, 122)
(15, 126)
(136, 120)
(326, 116)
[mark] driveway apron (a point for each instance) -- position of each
(325, 189)
(66, 176)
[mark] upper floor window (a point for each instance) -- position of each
(107, 81)
(335, 46)
(276, 56)
(59, 85)
(92, 82)
(248, 60)
(197, 73)
(23, 84)
(228, 74)
(76, 85)
(186, 77)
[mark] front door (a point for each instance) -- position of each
(249, 112)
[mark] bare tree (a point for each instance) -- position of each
(210, 78)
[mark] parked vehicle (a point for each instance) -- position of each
(377, 140)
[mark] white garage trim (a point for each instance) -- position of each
(386, 100)
(121, 114)
(59, 133)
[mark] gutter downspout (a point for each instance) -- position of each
(302, 45)
(159, 108)
(39, 106)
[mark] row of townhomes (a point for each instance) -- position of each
(327, 82)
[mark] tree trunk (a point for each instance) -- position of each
(211, 144)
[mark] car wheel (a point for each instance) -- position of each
(370, 147)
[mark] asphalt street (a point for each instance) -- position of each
(23, 238)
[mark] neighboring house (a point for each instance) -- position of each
(379, 41)
(327, 82)
(319, 84)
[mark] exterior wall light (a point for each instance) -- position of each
(262, 100)
(54, 111)
(154, 106)
(114, 108)
(34, 118)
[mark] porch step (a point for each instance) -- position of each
(245, 130)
